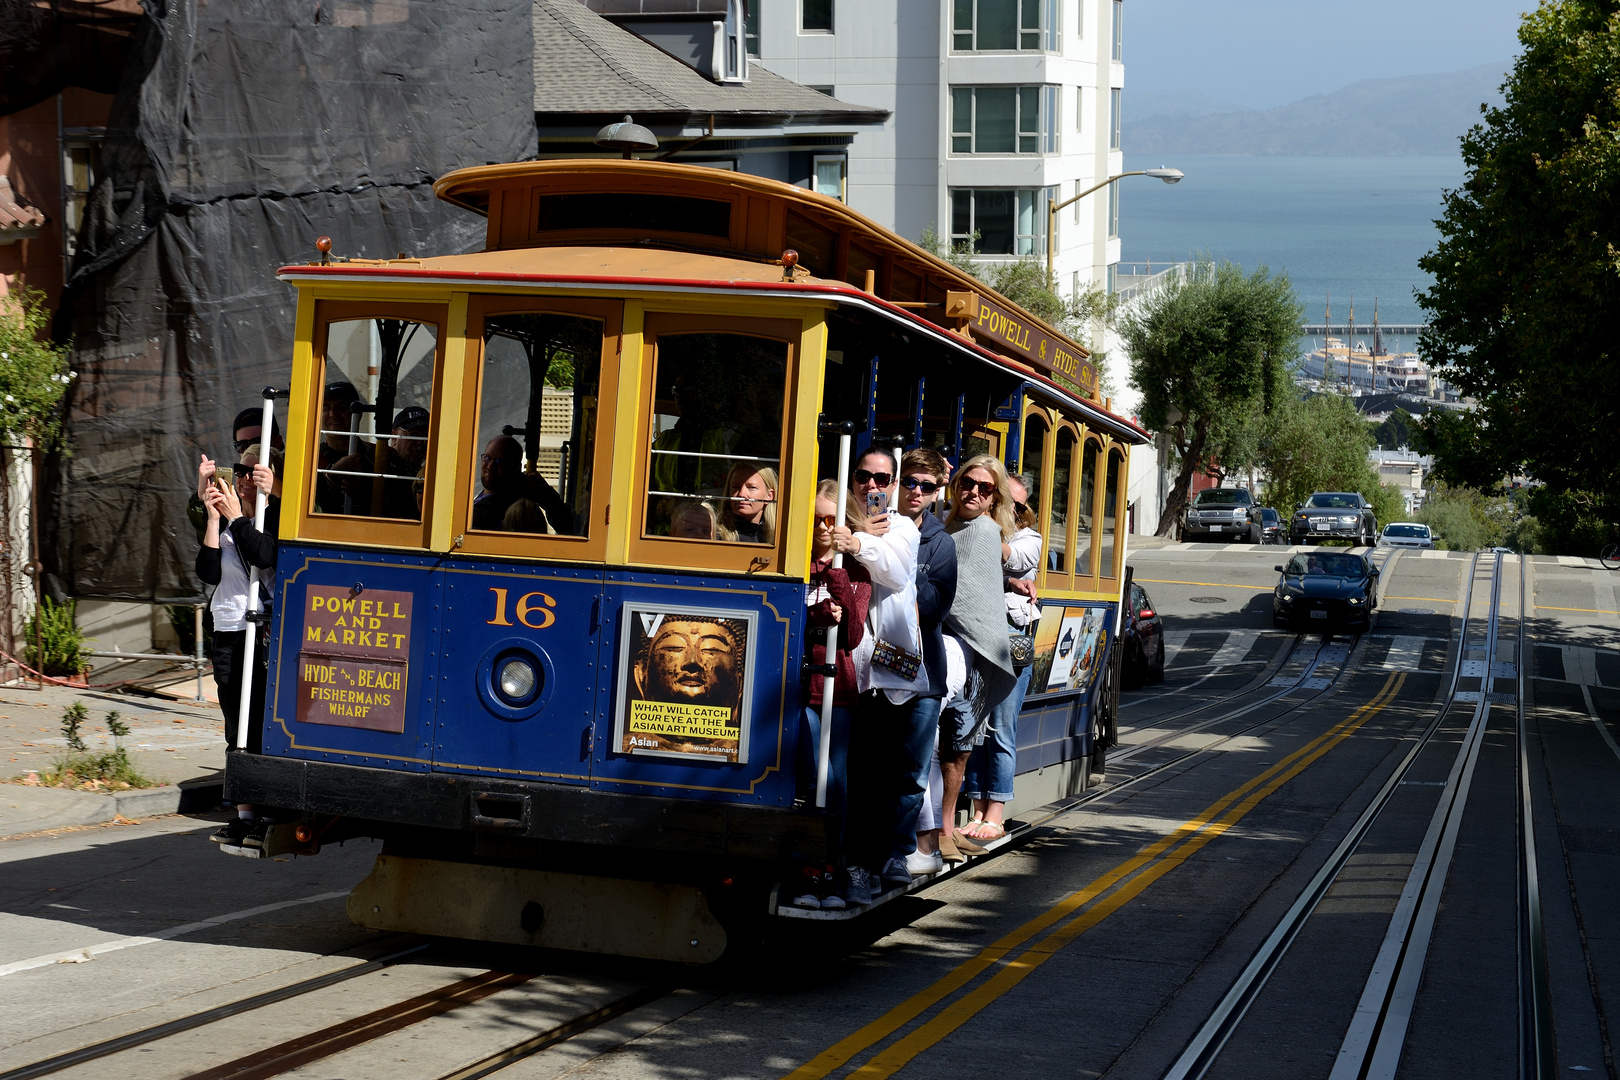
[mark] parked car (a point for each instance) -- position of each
(1334, 515)
(1271, 527)
(1409, 534)
(1325, 589)
(1143, 637)
(1222, 514)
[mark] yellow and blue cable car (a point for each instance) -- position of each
(508, 484)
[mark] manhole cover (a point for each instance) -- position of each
(1417, 611)
(1208, 599)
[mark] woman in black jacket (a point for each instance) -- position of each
(231, 547)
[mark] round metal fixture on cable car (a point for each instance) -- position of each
(517, 679)
(627, 135)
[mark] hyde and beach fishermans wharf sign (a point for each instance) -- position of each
(1003, 330)
(353, 660)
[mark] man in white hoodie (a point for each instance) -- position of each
(894, 725)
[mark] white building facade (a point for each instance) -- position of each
(999, 108)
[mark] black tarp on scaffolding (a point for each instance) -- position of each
(240, 133)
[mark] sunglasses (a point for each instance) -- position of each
(1022, 508)
(826, 521)
(881, 479)
(986, 488)
(911, 483)
(243, 444)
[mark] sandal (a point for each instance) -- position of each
(973, 823)
(980, 834)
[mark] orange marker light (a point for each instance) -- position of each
(304, 833)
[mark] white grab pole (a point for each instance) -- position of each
(251, 640)
(824, 751)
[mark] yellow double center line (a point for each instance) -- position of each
(1154, 861)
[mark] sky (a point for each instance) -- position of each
(1265, 53)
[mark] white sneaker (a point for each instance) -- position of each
(920, 865)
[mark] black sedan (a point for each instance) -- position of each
(1334, 515)
(1323, 590)
(1144, 641)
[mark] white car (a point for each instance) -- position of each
(1406, 534)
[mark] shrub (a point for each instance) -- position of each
(61, 649)
(108, 771)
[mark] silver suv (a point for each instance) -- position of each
(1406, 534)
(1222, 514)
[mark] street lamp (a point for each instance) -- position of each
(1169, 176)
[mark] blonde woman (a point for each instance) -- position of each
(980, 522)
(749, 514)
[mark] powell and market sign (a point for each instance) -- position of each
(999, 327)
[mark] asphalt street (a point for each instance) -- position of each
(1108, 944)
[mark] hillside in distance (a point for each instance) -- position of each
(1413, 114)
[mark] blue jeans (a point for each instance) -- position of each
(990, 769)
(888, 774)
(837, 769)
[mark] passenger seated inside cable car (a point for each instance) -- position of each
(717, 435)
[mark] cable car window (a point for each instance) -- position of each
(1107, 513)
(536, 437)
(1058, 540)
(628, 210)
(716, 440)
(1085, 537)
(375, 414)
(1033, 449)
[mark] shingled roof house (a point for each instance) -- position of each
(680, 69)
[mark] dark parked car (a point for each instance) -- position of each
(1271, 527)
(1334, 515)
(1324, 589)
(1144, 641)
(1222, 514)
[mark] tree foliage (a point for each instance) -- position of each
(33, 372)
(1396, 431)
(1210, 354)
(1526, 293)
(1464, 518)
(1027, 283)
(1321, 444)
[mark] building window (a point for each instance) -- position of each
(827, 177)
(751, 25)
(1112, 272)
(735, 60)
(1079, 108)
(1119, 29)
(81, 164)
(1007, 221)
(822, 90)
(1080, 18)
(1003, 119)
(1004, 25)
(1113, 118)
(1078, 188)
(816, 16)
(1113, 210)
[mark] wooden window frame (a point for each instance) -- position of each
(1042, 576)
(716, 555)
(1117, 512)
(353, 529)
(1088, 580)
(592, 547)
(1069, 577)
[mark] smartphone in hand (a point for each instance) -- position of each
(877, 504)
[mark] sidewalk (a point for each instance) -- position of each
(180, 744)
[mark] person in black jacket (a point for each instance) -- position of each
(231, 547)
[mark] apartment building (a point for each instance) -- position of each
(1000, 107)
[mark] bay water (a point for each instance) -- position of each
(1339, 225)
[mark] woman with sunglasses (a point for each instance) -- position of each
(980, 523)
(836, 600)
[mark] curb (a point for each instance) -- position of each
(80, 808)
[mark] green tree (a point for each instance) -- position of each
(1464, 518)
(1395, 431)
(1210, 354)
(1027, 283)
(1320, 444)
(1526, 293)
(33, 372)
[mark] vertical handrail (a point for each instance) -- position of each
(249, 645)
(824, 749)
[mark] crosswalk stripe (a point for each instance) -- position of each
(1405, 654)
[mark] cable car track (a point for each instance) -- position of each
(1372, 1046)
